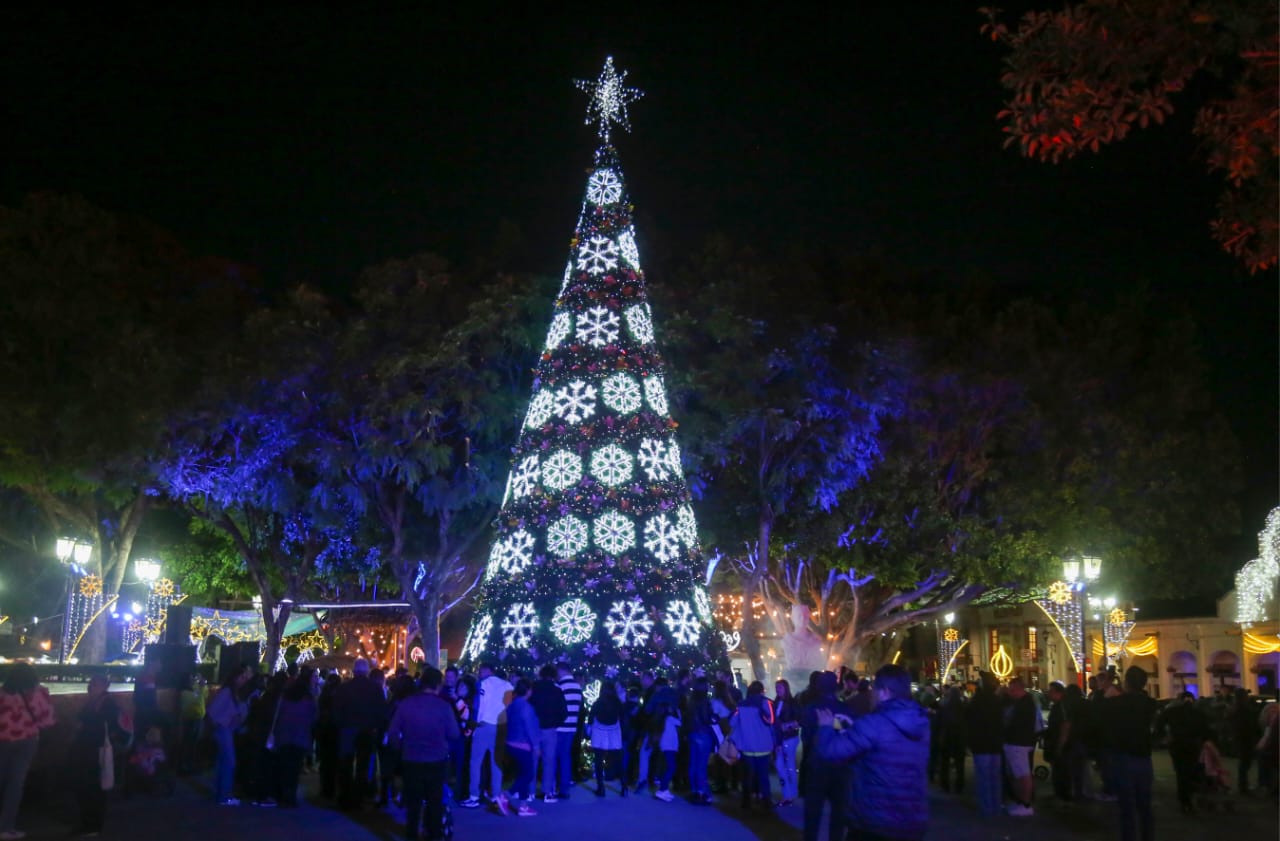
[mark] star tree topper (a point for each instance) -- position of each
(608, 99)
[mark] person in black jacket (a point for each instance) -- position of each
(949, 721)
(1188, 729)
(549, 704)
(605, 729)
(823, 781)
(984, 719)
(1126, 726)
(360, 711)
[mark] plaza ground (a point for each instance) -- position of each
(189, 814)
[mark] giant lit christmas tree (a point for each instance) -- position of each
(596, 559)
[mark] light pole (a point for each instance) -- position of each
(73, 555)
(147, 570)
(1080, 573)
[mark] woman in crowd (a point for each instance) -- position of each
(604, 726)
(25, 710)
(701, 720)
(753, 734)
(291, 735)
(99, 720)
(786, 735)
(464, 694)
(723, 777)
(523, 740)
(665, 723)
(227, 712)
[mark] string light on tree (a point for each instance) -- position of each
(1257, 581)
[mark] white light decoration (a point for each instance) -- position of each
(640, 323)
(567, 537)
(614, 532)
(681, 622)
(1067, 616)
(604, 187)
(673, 460)
(609, 99)
(575, 402)
(516, 552)
(561, 325)
(519, 625)
(568, 275)
(598, 255)
(656, 393)
(573, 622)
(591, 694)
(598, 327)
(621, 393)
(661, 538)
(524, 479)
(1257, 580)
(732, 639)
(627, 248)
(687, 526)
(628, 624)
(561, 470)
(540, 409)
(478, 638)
(702, 604)
(495, 561)
(611, 465)
(653, 459)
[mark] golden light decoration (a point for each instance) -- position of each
(1059, 592)
(90, 586)
(1002, 664)
(200, 628)
(1254, 644)
(951, 635)
(154, 627)
(164, 588)
(1117, 616)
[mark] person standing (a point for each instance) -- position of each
(492, 696)
(786, 731)
(227, 712)
(523, 738)
(1126, 721)
(1244, 727)
(548, 702)
(327, 737)
(753, 734)
(99, 720)
(1019, 744)
(1188, 729)
(567, 732)
(422, 728)
(888, 749)
(25, 710)
(360, 711)
(1056, 735)
(701, 720)
(950, 743)
(823, 781)
(985, 722)
(292, 734)
(604, 727)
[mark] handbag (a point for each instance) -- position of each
(106, 762)
(728, 751)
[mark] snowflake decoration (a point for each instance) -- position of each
(598, 255)
(661, 538)
(567, 537)
(573, 621)
(640, 323)
(478, 638)
(561, 470)
(627, 248)
(519, 626)
(951, 635)
(681, 622)
(1059, 592)
(525, 477)
(614, 532)
(673, 459)
(628, 623)
(604, 187)
(591, 694)
(495, 560)
(90, 586)
(540, 409)
(620, 393)
(653, 458)
(702, 604)
(165, 588)
(516, 552)
(598, 327)
(560, 327)
(575, 402)
(687, 526)
(656, 393)
(611, 465)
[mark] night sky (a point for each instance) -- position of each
(312, 143)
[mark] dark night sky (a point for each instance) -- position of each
(312, 143)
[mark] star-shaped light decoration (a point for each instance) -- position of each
(608, 99)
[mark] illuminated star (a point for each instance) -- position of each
(608, 99)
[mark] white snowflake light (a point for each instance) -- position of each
(609, 99)
(561, 470)
(591, 694)
(681, 622)
(702, 604)
(516, 552)
(598, 255)
(495, 560)
(540, 409)
(575, 402)
(640, 322)
(611, 465)
(525, 477)
(621, 393)
(673, 459)
(656, 393)
(628, 623)
(614, 532)
(567, 537)
(478, 638)
(604, 187)
(627, 248)
(519, 626)
(653, 458)
(687, 526)
(661, 538)
(560, 327)
(573, 621)
(598, 327)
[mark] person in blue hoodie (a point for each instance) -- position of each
(889, 752)
(524, 738)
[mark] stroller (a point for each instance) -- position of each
(1215, 781)
(148, 770)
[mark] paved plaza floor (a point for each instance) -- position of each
(189, 814)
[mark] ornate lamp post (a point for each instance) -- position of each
(73, 555)
(1080, 573)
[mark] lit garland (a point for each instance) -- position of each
(1257, 580)
(596, 560)
(1254, 644)
(1116, 630)
(1067, 616)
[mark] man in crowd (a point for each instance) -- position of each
(549, 705)
(888, 749)
(423, 727)
(567, 732)
(492, 696)
(1126, 720)
(1019, 744)
(359, 709)
(822, 781)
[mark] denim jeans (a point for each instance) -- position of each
(485, 741)
(757, 781)
(699, 756)
(224, 769)
(564, 761)
(668, 769)
(550, 743)
(15, 761)
(1133, 778)
(423, 786)
(788, 777)
(523, 787)
(646, 752)
(987, 782)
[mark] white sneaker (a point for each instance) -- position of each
(1017, 810)
(664, 795)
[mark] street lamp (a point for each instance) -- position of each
(147, 570)
(1091, 567)
(72, 554)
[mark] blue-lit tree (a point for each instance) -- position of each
(596, 560)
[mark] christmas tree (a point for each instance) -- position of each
(596, 560)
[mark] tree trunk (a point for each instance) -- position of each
(427, 611)
(275, 627)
